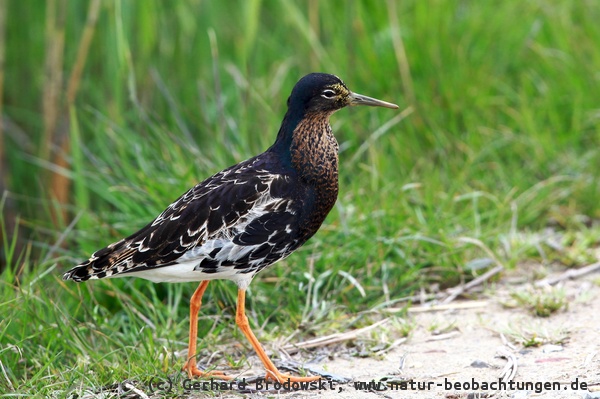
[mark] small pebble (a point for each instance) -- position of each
(479, 364)
(552, 348)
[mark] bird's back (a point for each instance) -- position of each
(231, 225)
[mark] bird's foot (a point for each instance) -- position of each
(276, 375)
(193, 371)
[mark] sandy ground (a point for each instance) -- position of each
(467, 349)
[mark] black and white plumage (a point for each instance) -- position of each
(231, 225)
(247, 217)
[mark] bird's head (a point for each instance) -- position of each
(321, 92)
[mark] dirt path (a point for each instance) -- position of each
(466, 351)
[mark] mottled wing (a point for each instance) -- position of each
(238, 221)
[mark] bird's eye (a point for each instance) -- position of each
(329, 94)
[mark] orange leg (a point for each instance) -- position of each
(191, 365)
(242, 322)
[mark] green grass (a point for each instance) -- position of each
(541, 302)
(501, 144)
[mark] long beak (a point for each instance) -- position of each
(359, 99)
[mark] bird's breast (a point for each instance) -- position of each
(314, 156)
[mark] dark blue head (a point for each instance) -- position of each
(322, 92)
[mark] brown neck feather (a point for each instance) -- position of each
(314, 155)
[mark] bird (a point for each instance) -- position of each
(245, 218)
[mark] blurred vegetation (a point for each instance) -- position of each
(111, 109)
